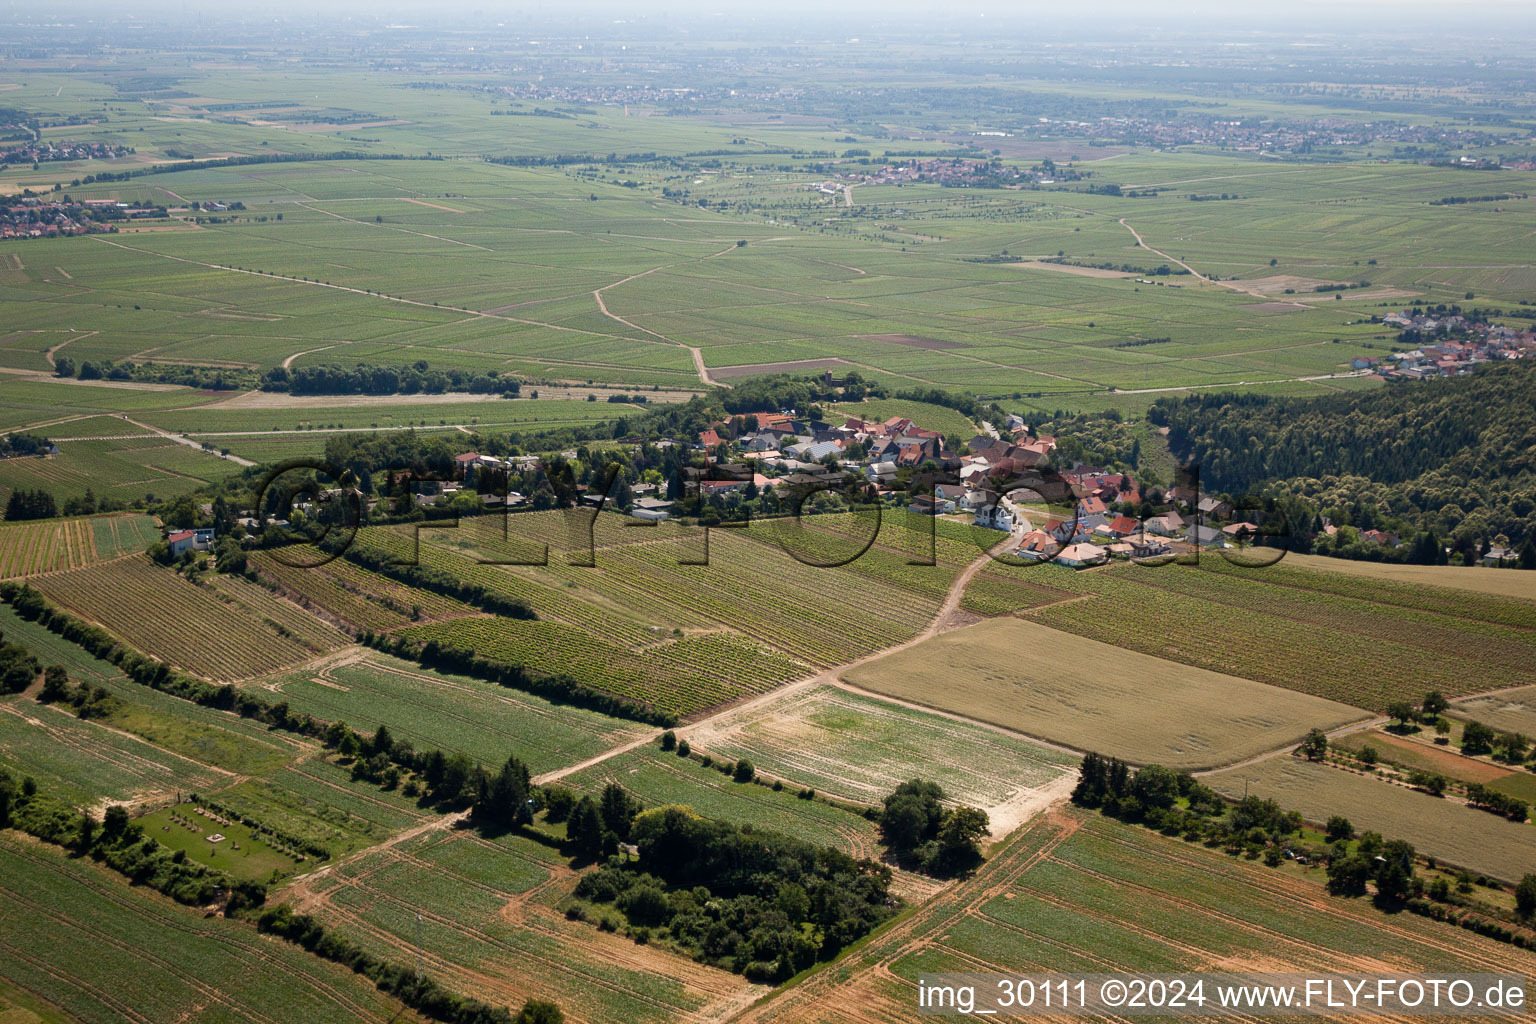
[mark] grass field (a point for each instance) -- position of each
(861, 748)
(450, 713)
(161, 613)
(657, 777)
(241, 853)
(1091, 696)
(1437, 826)
(925, 414)
(104, 952)
(488, 928)
(1083, 893)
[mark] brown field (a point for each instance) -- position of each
(1425, 756)
(1091, 696)
(760, 369)
(913, 341)
(1438, 826)
(1500, 582)
(1076, 892)
(1510, 711)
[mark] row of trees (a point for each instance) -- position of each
(366, 379)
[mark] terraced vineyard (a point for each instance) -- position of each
(158, 612)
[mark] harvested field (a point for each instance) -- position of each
(1510, 711)
(1437, 826)
(1499, 582)
(861, 748)
(1092, 696)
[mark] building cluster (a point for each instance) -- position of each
(1446, 345)
(67, 149)
(953, 172)
(1264, 136)
(1088, 523)
(31, 217)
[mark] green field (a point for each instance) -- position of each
(103, 951)
(656, 778)
(317, 801)
(1507, 710)
(488, 928)
(452, 713)
(1436, 826)
(84, 762)
(241, 853)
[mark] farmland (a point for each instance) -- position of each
(489, 928)
(158, 611)
(1092, 696)
(657, 777)
(1368, 641)
(79, 934)
(348, 594)
(316, 800)
(1436, 826)
(1080, 893)
(1508, 710)
(48, 545)
(861, 748)
(84, 762)
(117, 470)
(450, 713)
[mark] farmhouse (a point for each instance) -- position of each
(190, 540)
(1079, 556)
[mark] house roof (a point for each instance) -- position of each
(180, 535)
(1123, 524)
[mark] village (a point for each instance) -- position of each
(1446, 344)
